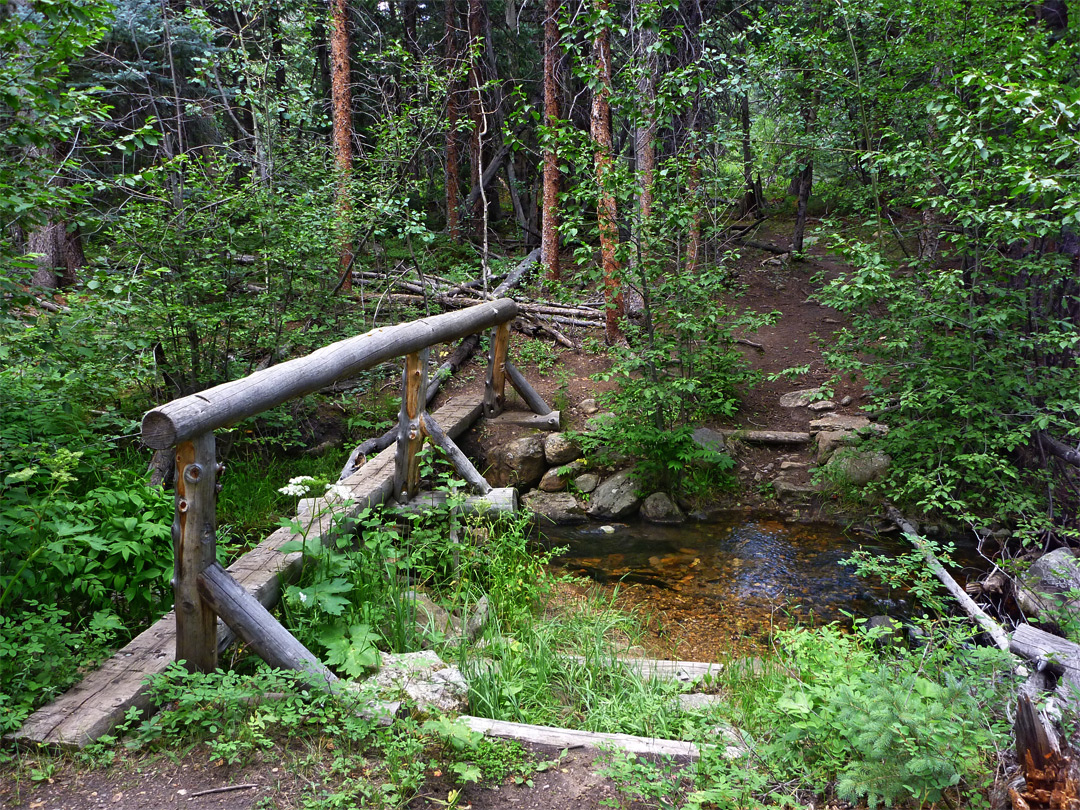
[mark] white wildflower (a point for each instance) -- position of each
(303, 596)
(297, 487)
(337, 492)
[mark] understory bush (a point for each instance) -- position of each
(886, 726)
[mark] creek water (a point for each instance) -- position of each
(741, 578)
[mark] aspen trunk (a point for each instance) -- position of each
(549, 240)
(606, 211)
(342, 132)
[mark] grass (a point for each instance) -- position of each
(250, 505)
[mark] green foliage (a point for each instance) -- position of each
(41, 655)
(888, 727)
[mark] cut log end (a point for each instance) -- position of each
(158, 431)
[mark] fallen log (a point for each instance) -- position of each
(1060, 449)
(768, 248)
(967, 604)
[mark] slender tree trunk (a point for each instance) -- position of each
(549, 241)
(644, 155)
(453, 221)
(752, 204)
(606, 211)
(476, 105)
(805, 181)
(693, 240)
(342, 120)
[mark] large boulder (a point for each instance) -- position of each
(560, 508)
(560, 449)
(1046, 587)
(858, 467)
(659, 508)
(616, 497)
(517, 463)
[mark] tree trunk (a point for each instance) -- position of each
(606, 212)
(59, 254)
(453, 221)
(805, 181)
(644, 153)
(752, 204)
(476, 105)
(549, 240)
(693, 240)
(342, 125)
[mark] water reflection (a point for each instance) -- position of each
(748, 567)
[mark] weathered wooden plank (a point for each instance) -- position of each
(684, 671)
(230, 402)
(194, 548)
(528, 393)
(538, 421)
(570, 738)
(497, 501)
(99, 702)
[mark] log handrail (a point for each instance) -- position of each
(201, 588)
(228, 403)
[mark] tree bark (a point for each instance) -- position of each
(341, 103)
(693, 240)
(453, 220)
(476, 107)
(606, 211)
(549, 240)
(805, 182)
(752, 203)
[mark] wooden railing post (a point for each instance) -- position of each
(410, 420)
(495, 393)
(195, 549)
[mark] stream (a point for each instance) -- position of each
(733, 583)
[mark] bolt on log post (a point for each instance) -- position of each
(194, 534)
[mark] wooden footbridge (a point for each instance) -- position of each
(213, 605)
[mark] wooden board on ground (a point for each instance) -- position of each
(569, 738)
(99, 703)
(683, 671)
